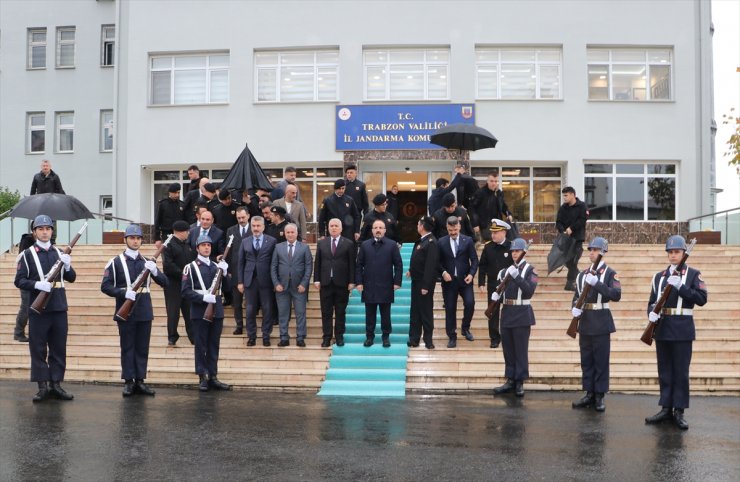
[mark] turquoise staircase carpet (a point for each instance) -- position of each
(358, 371)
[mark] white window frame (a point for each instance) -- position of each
(610, 64)
(30, 128)
(32, 44)
(208, 70)
(63, 127)
(61, 42)
(645, 194)
(387, 71)
(104, 128)
(317, 65)
(537, 65)
(105, 40)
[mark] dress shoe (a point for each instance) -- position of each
(238, 331)
(142, 388)
(368, 342)
(203, 384)
(599, 402)
(452, 343)
(664, 414)
(386, 343)
(412, 344)
(21, 338)
(42, 394)
(59, 392)
(218, 384)
(429, 346)
(340, 341)
(519, 389)
(171, 343)
(678, 418)
(495, 343)
(128, 388)
(251, 342)
(326, 343)
(505, 388)
(265, 342)
(301, 343)
(468, 336)
(570, 286)
(586, 401)
(283, 343)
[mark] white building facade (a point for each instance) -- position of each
(609, 98)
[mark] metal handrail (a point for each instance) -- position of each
(713, 214)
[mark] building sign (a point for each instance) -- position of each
(384, 127)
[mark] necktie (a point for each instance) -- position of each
(333, 246)
(202, 232)
(290, 251)
(256, 244)
(244, 231)
(454, 241)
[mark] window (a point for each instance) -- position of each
(65, 47)
(407, 74)
(630, 74)
(106, 131)
(65, 122)
(107, 44)
(296, 76)
(36, 48)
(36, 129)
(189, 79)
(630, 191)
(518, 73)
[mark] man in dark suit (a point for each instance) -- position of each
(255, 257)
(458, 263)
(378, 274)
(423, 271)
(334, 276)
(207, 228)
(174, 259)
(240, 231)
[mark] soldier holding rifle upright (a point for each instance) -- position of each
(675, 332)
(47, 330)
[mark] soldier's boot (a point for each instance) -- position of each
(203, 385)
(59, 392)
(43, 392)
(142, 388)
(599, 402)
(519, 388)
(505, 388)
(678, 418)
(128, 388)
(663, 415)
(584, 402)
(218, 384)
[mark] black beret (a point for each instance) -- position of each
(174, 187)
(278, 210)
(339, 183)
(210, 187)
(448, 199)
(379, 199)
(180, 226)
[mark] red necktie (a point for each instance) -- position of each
(333, 246)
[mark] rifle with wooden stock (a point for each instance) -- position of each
(647, 335)
(42, 299)
(125, 310)
(573, 328)
(493, 305)
(216, 284)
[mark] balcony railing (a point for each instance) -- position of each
(726, 222)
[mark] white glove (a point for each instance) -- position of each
(591, 279)
(495, 296)
(512, 271)
(674, 281)
(653, 317)
(43, 286)
(577, 312)
(151, 266)
(209, 298)
(223, 265)
(67, 260)
(131, 295)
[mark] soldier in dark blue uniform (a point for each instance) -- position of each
(517, 318)
(675, 332)
(120, 274)
(495, 257)
(169, 210)
(423, 271)
(47, 331)
(356, 189)
(596, 325)
(197, 279)
(342, 207)
(380, 202)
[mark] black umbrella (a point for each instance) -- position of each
(561, 252)
(59, 207)
(246, 173)
(464, 137)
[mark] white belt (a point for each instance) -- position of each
(517, 303)
(143, 290)
(596, 306)
(677, 311)
(207, 292)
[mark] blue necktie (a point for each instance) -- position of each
(257, 244)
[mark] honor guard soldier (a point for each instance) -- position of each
(517, 318)
(380, 212)
(675, 332)
(423, 271)
(277, 228)
(169, 210)
(595, 325)
(356, 189)
(494, 258)
(197, 278)
(47, 331)
(120, 274)
(342, 207)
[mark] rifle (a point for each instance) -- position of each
(493, 305)
(573, 328)
(42, 299)
(647, 335)
(216, 285)
(125, 310)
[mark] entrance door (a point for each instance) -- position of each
(412, 200)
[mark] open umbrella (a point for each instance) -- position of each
(560, 253)
(464, 137)
(246, 173)
(59, 207)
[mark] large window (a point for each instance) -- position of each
(407, 74)
(630, 74)
(65, 47)
(107, 45)
(36, 48)
(296, 76)
(36, 132)
(65, 122)
(630, 191)
(106, 131)
(518, 73)
(189, 79)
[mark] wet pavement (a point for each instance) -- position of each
(182, 434)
